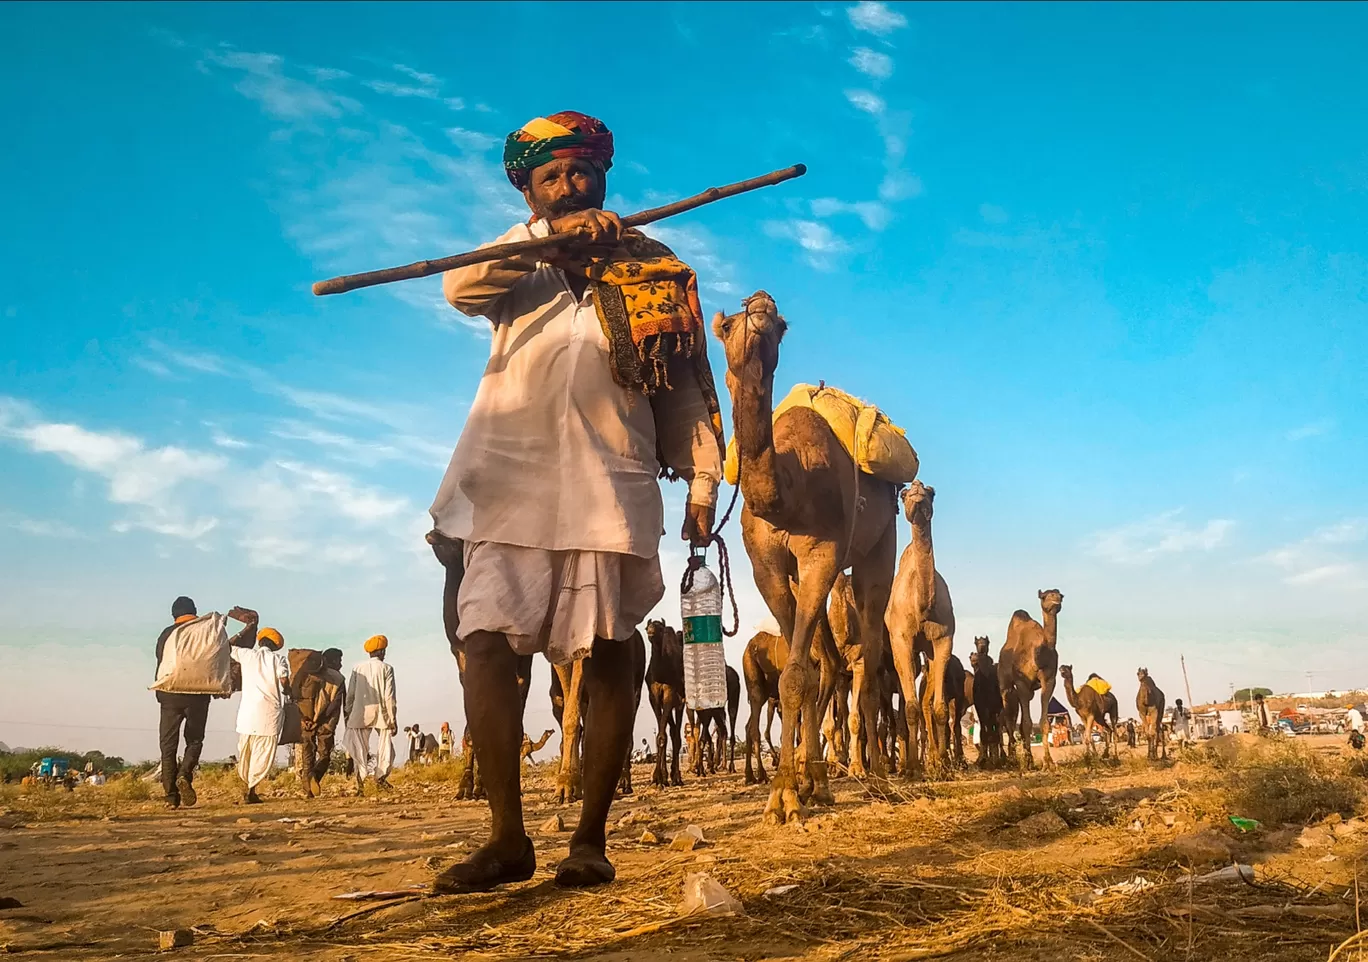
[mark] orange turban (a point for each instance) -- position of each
(376, 643)
(275, 638)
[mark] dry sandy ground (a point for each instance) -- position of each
(946, 870)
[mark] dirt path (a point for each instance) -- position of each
(977, 868)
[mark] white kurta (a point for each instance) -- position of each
(555, 454)
(371, 698)
(265, 679)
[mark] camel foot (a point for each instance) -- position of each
(486, 868)
(783, 807)
(583, 867)
(567, 791)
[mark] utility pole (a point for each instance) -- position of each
(1232, 694)
(1186, 687)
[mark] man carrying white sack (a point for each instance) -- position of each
(261, 715)
(372, 705)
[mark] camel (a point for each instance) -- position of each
(1149, 702)
(570, 708)
(1093, 710)
(710, 745)
(921, 621)
(530, 747)
(959, 695)
(1027, 662)
(665, 688)
(809, 512)
(987, 697)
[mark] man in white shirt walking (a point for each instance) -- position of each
(261, 714)
(372, 706)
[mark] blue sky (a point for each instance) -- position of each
(1105, 264)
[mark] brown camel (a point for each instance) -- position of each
(987, 696)
(959, 694)
(530, 747)
(569, 706)
(1028, 661)
(809, 513)
(761, 664)
(451, 553)
(1149, 702)
(1093, 709)
(921, 621)
(709, 749)
(665, 688)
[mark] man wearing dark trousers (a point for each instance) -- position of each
(192, 711)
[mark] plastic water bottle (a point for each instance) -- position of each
(705, 663)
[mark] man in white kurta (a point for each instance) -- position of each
(261, 713)
(371, 706)
(550, 514)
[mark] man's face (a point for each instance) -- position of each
(565, 186)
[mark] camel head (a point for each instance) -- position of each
(917, 499)
(1142, 674)
(750, 338)
(1066, 672)
(981, 644)
(655, 631)
(1051, 600)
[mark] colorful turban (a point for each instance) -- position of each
(544, 139)
(272, 637)
(376, 643)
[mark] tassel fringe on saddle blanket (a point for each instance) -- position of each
(647, 302)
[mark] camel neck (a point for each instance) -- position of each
(1070, 692)
(1051, 620)
(752, 421)
(924, 551)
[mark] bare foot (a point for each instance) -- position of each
(486, 868)
(585, 866)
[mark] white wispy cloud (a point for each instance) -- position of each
(875, 215)
(993, 214)
(871, 63)
(224, 441)
(421, 84)
(818, 241)
(352, 500)
(1315, 429)
(868, 101)
(262, 78)
(874, 17)
(1142, 542)
(698, 248)
(472, 139)
(40, 528)
(1328, 555)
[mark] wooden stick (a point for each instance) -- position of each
(352, 282)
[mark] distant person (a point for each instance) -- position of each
(1353, 720)
(1130, 732)
(261, 713)
(415, 740)
(1181, 723)
(190, 710)
(446, 743)
(372, 707)
(320, 695)
(1261, 711)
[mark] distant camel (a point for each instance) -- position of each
(665, 688)
(1028, 662)
(530, 748)
(1093, 709)
(987, 704)
(1149, 701)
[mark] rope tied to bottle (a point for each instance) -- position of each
(698, 557)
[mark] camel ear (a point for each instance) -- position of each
(718, 320)
(1040, 595)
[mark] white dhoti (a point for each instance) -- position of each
(356, 743)
(256, 755)
(556, 602)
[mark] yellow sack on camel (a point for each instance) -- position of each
(1098, 685)
(876, 444)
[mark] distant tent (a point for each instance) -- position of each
(1056, 708)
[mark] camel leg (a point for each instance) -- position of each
(568, 780)
(758, 694)
(1047, 687)
(661, 703)
(1025, 727)
(677, 714)
(493, 711)
(938, 703)
(607, 679)
(908, 728)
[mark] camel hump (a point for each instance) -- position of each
(1020, 615)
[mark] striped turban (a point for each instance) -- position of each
(376, 643)
(544, 139)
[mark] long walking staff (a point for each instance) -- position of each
(352, 282)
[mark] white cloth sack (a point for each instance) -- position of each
(195, 659)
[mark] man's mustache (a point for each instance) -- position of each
(571, 204)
